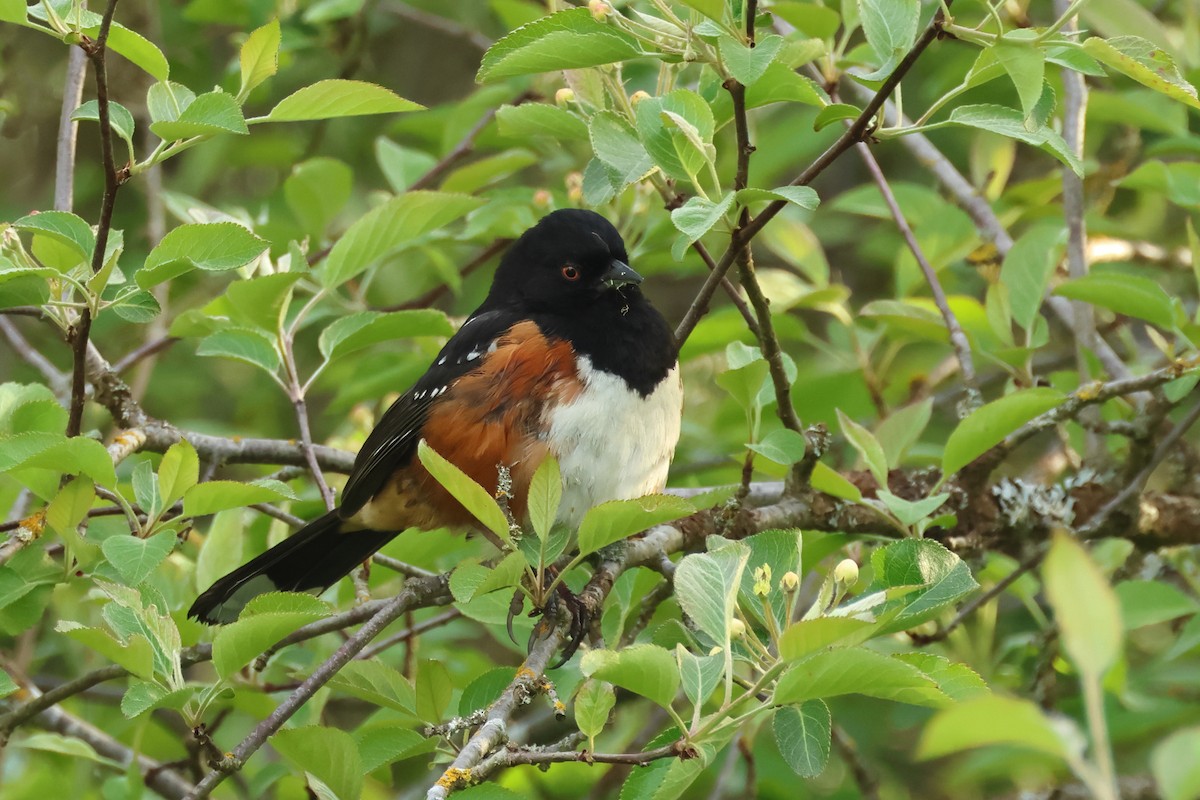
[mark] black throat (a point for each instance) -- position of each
(621, 334)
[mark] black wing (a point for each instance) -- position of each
(393, 442)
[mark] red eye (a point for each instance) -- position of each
(570, 272)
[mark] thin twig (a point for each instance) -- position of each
(146, 350)
(1075, 97)
(958, 338)
(1134, 488)
(30, 355)
(485, 255)
(439, 23)
(390, 611)
(408, 634)
(82, 329)
(464, 148)
(68, 129)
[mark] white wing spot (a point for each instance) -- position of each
(441, 361)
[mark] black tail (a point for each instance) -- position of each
(314, 557)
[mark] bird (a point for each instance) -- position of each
(564, 357)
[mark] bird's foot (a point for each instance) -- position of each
(558, 599)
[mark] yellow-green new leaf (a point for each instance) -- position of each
(474, 498)
(259, 57)
(1085, 606)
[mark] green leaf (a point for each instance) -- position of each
(699, 675)
(1175, 766)
(1011, 123)
(747, 64)
(143, 696)
(540, 119)
(211, 246)
(402, 166)
(145, 488)
(64, 228)
(803, 734)
(706, 586)
(616, 144)
(989, 720)
(222, 550)
(644, 669)
(166, 101)
(316, 191)
(137, 48)
(433, 690)
(178, 471)
(260, 301)
(867, 446)
(7, 684)
(545, 496)
(566, 40)
(1151, 602)
(64, 745)
(713, 9)
(259, 57)
(138, 307)
(814, 20)
(987, 426)
(484, 690)
(942, 576)
(825, 479)
(958, 681)
(381, 744)
(136, 558)
(356, 331)
(242, 344)
(1145, 62)
(902, 428)
(264, 621)
(473, 497)
(68, 509)
(808, 636)
(667, 142)
(697, 217)
(376, 682)
(593, 702)
(1131, 295)
(213, 496)
(783, 446)
(1027, 269)
(13, 11)
(339, 98)
(66, 456)
(858, 671)
(1026, 66)
(119, 119)
(207, 115)
(327, 753)
(389, 227)
(619, 519)
(909, 512)
(1085, 607)
(803, 196)
(134, 653)
(891, 29)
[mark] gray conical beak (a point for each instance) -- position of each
(620, 274)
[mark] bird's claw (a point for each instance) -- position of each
(579, 624)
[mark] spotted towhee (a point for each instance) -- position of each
(564, 357)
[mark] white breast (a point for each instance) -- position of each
(611, 443)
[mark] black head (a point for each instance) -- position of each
(570, 260)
